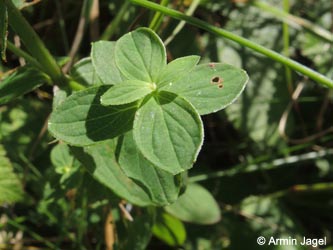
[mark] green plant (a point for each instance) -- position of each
(97, 147)
(157, 103)
(151, 112)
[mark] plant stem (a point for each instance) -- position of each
(295, 21)
(94, 21)
(321, 79)
(62, 26)
(75, 85)
(316, 187)
(84, 16)
(158, 17)
(242, 168)
(286, 42)
(181, 24)
(112, 27)
(20, 53)
(33, 43)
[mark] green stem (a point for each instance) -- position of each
(33, 168)
(20, 53)
(285, 28)
(317, 187)
(75, 85)
(302, 189)
(112, 27)
(181, 24)
(80, 30)
(244, 168)
(62, 27)
(33, 43)
(295, 21)
(286, 42)
(321, 79)
(158, 17)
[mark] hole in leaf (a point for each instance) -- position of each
(220, 86)
(216, 80)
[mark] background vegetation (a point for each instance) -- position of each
(267, 159)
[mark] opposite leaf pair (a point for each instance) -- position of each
(160, 102)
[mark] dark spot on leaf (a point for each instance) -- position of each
(212, 65)
(216, 80)
(220, 86)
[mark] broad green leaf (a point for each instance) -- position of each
(84, 73)
(140, 55)
(210, 87)
(3, 29)
(81, 120)
(168, 131)
(170, 230)
(63, 161)
(163, 187)
(10, 186)
(177, 69)
(100, 161)
(128, 91)
(196, 205)
(103, 60)
(22, 81)
(59, 96)
(61, 157)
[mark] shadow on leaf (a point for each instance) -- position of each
(107, 122)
